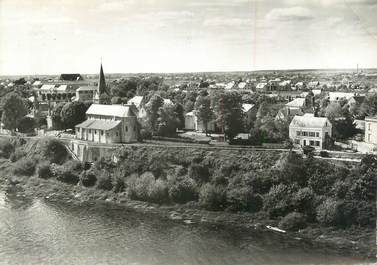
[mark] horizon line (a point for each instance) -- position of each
(204, 72)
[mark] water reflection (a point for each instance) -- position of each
(36, 232)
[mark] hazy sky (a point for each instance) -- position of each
(54, 36)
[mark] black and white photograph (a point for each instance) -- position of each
(188, 132)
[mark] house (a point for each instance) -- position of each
(193, 124)
(371, 130)
(109, 124)
(338, 96)
(138, 101)
(312, 131)
(250, 112)
(261, 87)
(85, 93)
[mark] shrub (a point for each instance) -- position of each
(183, 190)
(277, 202)
(198, 172)
(17, 154)
(104, 181)
(212, 197)
(53, 150)
(145, 134)
(329, 212)
(24, 166)
(88, 178)
(118, 183)
(308, 150)
(26, 124)
(293, 221)
(324, 153)
(138, 186)
(6, 148)
(241, 198)
(67, 176)
(303, 201)
(158, 192)
(44, 170)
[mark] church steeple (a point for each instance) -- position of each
(101, 83)
(101, 88)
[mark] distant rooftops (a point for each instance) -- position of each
(71, 77)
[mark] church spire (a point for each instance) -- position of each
(101, 82)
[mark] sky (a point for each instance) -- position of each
(131, 36)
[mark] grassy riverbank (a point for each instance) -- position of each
(326, 205)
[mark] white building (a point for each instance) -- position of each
(193, 124)
(337, 96)
(309, 130)
(109, 124)
(371, 130)
(138, 101)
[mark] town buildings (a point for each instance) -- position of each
(371, 130)
(308, 130)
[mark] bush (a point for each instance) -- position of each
(324, 154)
(158, 192)
(198, 172)
(26, 124)
(44, 170)
(104, 181)
(183, 190)
(138, 186)
(53, 150)
(277, 202)
(243, 199)
(17, 154)
(303, 201)
(293, 221)
(145, 134)
(212, 197)
(6, 148)
(67, 176)
(88, 178)
(118, 183)
(24, 166)
(308, 150)
(329, 212)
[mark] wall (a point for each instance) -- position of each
(371, 131)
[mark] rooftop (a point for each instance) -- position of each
(98, 124)
(309, 121)
(110, 110)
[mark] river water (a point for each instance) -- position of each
(33, 231)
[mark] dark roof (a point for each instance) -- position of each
(98, 124)
(70, 77)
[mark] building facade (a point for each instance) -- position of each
(109, 124)
(371, 130)
(308, 130)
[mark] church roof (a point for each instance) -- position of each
(110, 110)
(98, 124)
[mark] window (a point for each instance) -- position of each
(317, 134)
(316, 143)
(312, 143)
(117, 134)
(126, 129)
(101, 132)
(107, 134)
(368, 126)
(304, 133)
(298, 133)
(297, 141)
(95, 131)
(312, 134)
(90, 131)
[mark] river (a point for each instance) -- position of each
(33, 231)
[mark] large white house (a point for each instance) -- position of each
(309, 130)
(371, 130)
(109, 124)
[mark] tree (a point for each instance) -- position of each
(56, 116)
(167, 121)
(333, 111)
(26, 125)
(153, 107)
(179, 112)
(13, 110)
(369, 106)
(203, 110)
(228, 109)
(73, 113)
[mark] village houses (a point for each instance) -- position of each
(308, 130)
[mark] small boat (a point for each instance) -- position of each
(275, 229)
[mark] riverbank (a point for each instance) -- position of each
(351, 242)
